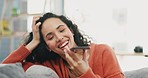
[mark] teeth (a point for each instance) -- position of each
(63, 44)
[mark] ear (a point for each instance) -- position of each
(49, 49)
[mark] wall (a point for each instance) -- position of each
(119, 23)
(1, 4)
(122, 24)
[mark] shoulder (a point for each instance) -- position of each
(100, 46)
(101, 49)
(104, 53)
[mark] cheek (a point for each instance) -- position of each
(51, 45)
(69, 33)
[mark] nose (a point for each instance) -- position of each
(59, 37)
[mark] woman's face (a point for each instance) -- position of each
(57, 35)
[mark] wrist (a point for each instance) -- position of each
(32, 45)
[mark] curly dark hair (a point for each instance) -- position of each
(41, 53)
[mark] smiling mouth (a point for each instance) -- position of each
(64, 44)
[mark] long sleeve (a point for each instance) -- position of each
(110, 64)
(89, 74)
(103, 63)
(18, 56)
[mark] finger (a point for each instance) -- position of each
(74, 55)
(69, 60)
(37, 26)
(85, 55)
(35, 18)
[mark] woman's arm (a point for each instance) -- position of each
(17, 56)
(23, 51)
(20, 54)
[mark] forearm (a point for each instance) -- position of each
(17, 56)
(32, 45)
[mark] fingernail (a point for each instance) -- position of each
(64, 50)
(38, 23)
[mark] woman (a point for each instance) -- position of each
(49, 45)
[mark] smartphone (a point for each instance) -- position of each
(80, 48)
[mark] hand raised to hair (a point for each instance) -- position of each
(78, 64)
(36, 37)
(35, 29)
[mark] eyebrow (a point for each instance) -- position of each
(59, 26)
(56, 28)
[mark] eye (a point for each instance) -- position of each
(62, 30)
(50, 37)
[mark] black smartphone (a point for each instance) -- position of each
(80, 48)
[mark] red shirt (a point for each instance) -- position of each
(102, 61)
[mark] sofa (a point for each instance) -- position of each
(138, 73)
(15, 70)
(12, 71)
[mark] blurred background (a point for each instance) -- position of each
(122, 24)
